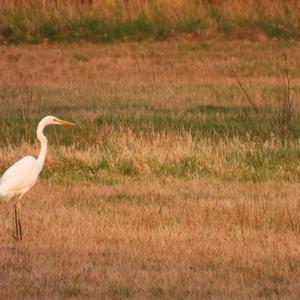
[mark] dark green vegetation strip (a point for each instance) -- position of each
(92, 28)
(34, 26)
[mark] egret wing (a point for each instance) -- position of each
(20, 177)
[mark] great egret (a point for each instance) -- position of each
(22, 175)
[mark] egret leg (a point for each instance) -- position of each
(20, 230)
(17, 220)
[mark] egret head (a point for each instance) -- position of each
(50, 120)
(57, 121)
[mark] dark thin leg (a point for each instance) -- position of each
(20, 229)
(17, 223)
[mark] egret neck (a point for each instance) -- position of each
(44, 142)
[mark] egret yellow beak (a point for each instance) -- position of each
(62, 122)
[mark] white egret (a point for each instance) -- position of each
(22, 175)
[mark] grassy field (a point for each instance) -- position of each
(167, 191)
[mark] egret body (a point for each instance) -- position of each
(22, 175)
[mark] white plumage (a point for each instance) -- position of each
(19, 178)
(22, 175)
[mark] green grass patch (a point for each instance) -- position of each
(187, 166)
(201, 121)
(117, 135)
(126, 167)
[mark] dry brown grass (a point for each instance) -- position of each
(185, 72)
(105, 235)
(180, 240)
